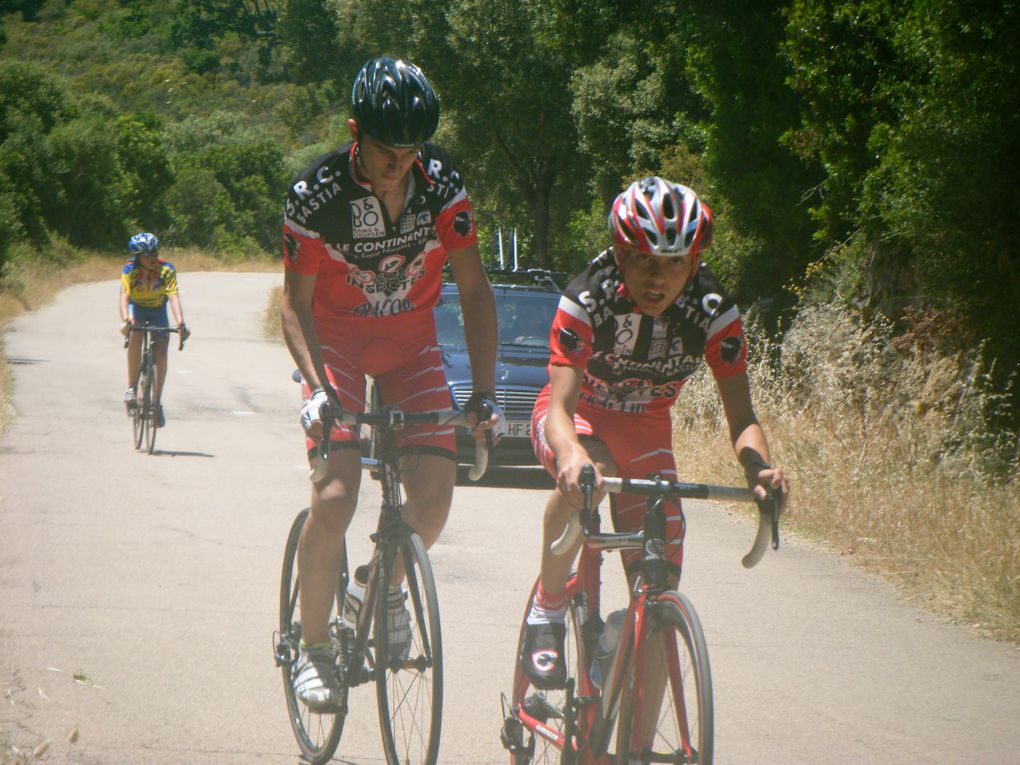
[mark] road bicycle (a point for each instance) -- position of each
(409, 690)
(145, 413)
(659, 685)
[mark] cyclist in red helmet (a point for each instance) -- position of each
(367, 230)
(629, 331)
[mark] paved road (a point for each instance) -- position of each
(155, 579)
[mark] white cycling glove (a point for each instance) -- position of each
(310, 411)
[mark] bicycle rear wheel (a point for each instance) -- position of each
(683, 730)
(409, 689)
(317, 734)
(138, 414)
(549, 707)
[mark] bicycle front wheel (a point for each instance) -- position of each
(138, 415)
(151, 409)
(409, 678)
(545, 707)
(317, 734)
(670, 720)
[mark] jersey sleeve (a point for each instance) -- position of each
(570, 337)
(303, 248)
(725, 348)
(125, 278)
(169, 279)
(455, 224)
(453, 213)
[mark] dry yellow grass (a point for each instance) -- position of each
(891, 460)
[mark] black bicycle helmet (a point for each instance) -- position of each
(394, 103)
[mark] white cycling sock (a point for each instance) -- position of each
(539, 615)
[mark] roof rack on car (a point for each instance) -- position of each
(536, 276)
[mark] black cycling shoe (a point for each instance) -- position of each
(542, 655)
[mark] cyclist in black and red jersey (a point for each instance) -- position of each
(630, 330)
(367, 230)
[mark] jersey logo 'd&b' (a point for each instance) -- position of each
(367, 218)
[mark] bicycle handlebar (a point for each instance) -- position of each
(393, 418)
(150, 328)
(768, 509)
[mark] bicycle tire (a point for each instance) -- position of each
(138, 414)
(684, 730)
(547, 705)
(151, 410)
(318, 735)
(409, 691)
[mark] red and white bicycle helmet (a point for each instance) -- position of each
(658, 217)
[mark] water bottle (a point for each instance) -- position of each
(605, 649)
(354, 598)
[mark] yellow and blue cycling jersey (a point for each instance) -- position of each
(148, 289)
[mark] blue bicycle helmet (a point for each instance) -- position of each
(144, 242)
(394, 103)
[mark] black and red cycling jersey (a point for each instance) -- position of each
(366, 264)
(637, 363)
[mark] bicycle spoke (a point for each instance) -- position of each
(317, 734)
(670, 720)
(409, 689)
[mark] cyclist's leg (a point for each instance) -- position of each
(543, 650)
(162, 342)
(334, 500)
(134, 352)
(158, 317)
(556, 568)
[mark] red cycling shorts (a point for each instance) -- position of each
(402, 356)
(641, 446)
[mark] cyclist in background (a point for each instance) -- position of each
(629, 331)
(366, 231)
(147, 285)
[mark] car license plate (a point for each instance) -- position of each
(519, 429)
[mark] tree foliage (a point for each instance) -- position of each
(860, 151)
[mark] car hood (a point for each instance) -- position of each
(513, 367)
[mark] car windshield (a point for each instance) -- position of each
(524, 318)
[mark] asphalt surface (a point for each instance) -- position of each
(138, 594)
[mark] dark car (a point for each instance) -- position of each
(525, 313)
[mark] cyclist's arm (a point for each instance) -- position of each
(299, 327)
(560, 433)
(125, 306)
(175, 308)
(479, 308)
(746, 434)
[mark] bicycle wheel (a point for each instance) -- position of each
(317, 734)
(138, 415)
(151, 410)
(549, 707)
(683, 730)
(409, 690)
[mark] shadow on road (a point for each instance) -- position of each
(510, 478)
(169, 453)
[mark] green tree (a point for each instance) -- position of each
(87, 205)
(146, 168)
